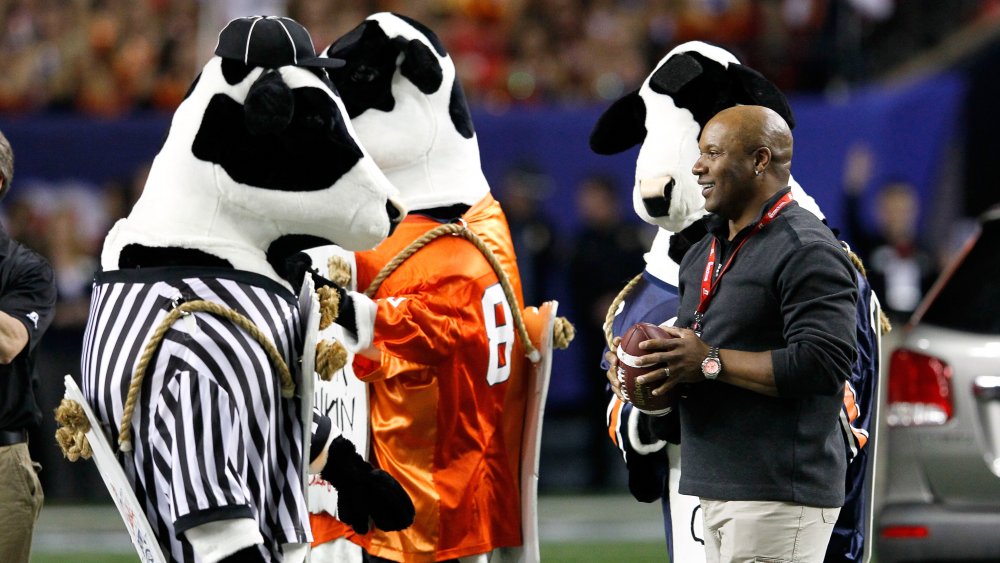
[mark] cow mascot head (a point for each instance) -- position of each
(406, 103)
(259, 163)
(692, 83)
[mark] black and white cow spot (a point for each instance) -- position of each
(432, 37)
(694, 82)
(277, 145)
(235, 71)
(458, 109)
(365, 82)
(687, 76)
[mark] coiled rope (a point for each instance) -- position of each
(883, 321)
(563, 332)
(72, 433)
(459, 229)
(609, 318)
(186, 308)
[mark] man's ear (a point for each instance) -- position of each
(621, 127)
(421, 67)
(750, 87)
(761, 158)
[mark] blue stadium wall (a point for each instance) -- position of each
(910, 127)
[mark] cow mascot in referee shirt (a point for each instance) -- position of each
(689, 85)
(259, 163)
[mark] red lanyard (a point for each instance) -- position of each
(708, 285)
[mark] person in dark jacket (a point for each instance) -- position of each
(768, 299)
(27, 304)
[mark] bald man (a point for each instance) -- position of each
(767, 302)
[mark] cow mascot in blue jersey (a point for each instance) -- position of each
(259, 163)
(692, 83)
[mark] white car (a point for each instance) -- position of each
(942, 417)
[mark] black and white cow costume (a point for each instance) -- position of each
(689, 85)
(259, 163)
(404, 97)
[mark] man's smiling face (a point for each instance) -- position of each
(724, 169)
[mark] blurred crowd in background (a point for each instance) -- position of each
(114, 58)
(110, 57)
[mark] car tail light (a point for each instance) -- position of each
(919, 390)
(904, 532)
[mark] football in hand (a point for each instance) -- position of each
(628, 353)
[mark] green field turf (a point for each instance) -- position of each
(640, 552)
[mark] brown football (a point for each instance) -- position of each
(628, 352)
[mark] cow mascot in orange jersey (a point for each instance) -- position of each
(452, 390)
(259, 163)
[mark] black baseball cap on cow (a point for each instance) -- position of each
(270, 42)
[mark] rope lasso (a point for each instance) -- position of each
(458, 229)
(609, 318)
(72, 432)
(884, 325)
(563, 333)
(287, 384)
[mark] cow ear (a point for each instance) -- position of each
(349, 40)
(421, 67)
(750, 87)
(269, 106)
(621, 127)
(675, 73)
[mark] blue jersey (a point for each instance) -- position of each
(654, 301)
(858, 420)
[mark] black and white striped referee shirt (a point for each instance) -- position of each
(212, 437)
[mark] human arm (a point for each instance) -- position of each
(27, 303)
(816, 295)
(684, 354)
(13, 338)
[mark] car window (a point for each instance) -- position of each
(969, 300)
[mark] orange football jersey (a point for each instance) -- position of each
(447, 396)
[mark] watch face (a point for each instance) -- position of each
(711, 366)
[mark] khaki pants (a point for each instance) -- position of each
(20, 502)
(766, 532)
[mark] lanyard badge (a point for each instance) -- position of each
(714, 270)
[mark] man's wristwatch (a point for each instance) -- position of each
(711, 366)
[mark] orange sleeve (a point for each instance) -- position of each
(422, 329)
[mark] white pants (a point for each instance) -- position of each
(763, 531)
(685, 515)
(336, 551)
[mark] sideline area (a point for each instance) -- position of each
(98, 529)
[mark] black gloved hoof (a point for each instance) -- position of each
(365, 491)
(250, 554)
(391, 508)
(352, 510)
